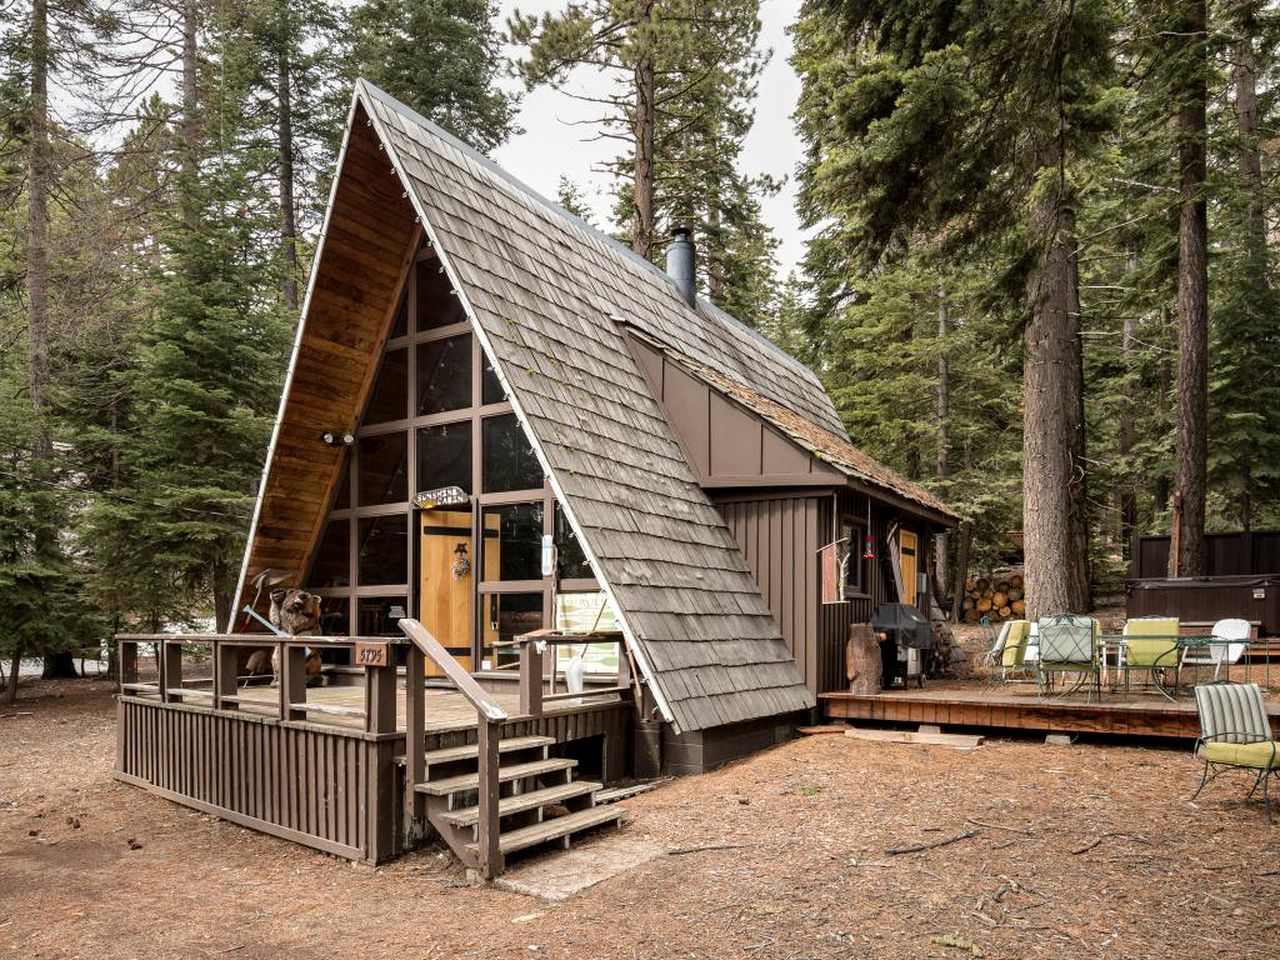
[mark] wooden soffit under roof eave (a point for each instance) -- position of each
(367, 245)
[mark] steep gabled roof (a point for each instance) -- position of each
(548, 296)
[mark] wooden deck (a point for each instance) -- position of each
(447, 710)
(1016, 707)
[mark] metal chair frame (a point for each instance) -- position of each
(1249, 708)
(1068, 646)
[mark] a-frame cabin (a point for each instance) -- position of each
(497, 421)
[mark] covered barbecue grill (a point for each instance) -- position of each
(907, 644)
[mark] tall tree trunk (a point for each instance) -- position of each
(1126, 493)
(643, 132)
(39, 175)
(1245, 80)
(11, 681)
(1193, 307)
(1164, 403)
(1053, 429)
(190, 125)
(963, 536)
(288, 214)
(942, 574)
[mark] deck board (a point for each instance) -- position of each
(995, 707)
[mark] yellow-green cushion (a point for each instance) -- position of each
(1151, 653)
(1265, 753)
(1015, 644)
(1160, 650)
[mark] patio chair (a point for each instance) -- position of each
(1234, 636)
(1068, 654)
(1151, 643)
(1235, 732)
(1013, 648)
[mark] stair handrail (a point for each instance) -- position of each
(489, 717)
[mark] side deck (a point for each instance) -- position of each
(327, 766)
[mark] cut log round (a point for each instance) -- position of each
(1016, 581)
(966, 603)
(1019, 607)
(1002, 586)
(982, 584)
(862, 662)
(999, 599)
(1005, 611)
(988, 593)
(971, 616)
(970, 585)
(1014, 594)
(983, 605)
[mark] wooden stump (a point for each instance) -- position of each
(862, 664)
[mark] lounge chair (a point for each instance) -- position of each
(1231, 639)
(1235, 732)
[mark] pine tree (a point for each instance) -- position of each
(976, 123)
(441, 57)
(685, 76)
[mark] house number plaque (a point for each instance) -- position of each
(372, 655)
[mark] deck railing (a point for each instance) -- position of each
(532, 675)
(224, 689)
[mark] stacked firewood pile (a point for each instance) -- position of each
(998, 597)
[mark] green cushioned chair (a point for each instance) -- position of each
(1150, 644)
(1068, 654)
(1235, 733)
(1013, 653)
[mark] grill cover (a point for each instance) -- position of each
(903, 624)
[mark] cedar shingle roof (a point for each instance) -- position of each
(549, 295)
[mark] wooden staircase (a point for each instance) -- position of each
(538, 799)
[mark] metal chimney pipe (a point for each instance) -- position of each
(681, 256)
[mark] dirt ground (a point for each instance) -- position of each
(1079, 851)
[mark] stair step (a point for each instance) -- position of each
(468, 816)
(472, 750)
(471, 781)
(556, 828)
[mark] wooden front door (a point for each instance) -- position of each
(908, 564)
(445, 582)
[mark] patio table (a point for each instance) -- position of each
(1113, 647)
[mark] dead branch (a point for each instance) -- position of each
(917, 847)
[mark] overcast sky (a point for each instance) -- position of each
(551, 145)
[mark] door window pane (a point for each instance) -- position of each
(513, 542)
(390, 398)
(383, 469)
(437, 305)
(506, 616)
(490, 389)
(333, 559)
(509, 462)
(379, 616)
(384, 550)
(444, 456)
(571, 562)
(444, 375)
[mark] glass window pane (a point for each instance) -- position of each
(379, 616)
(513, 542)
(383, 470)
(490, 389)
(444, 375)
(401, 325)
(335, 616)
(343, 500)
(444, 456)
(571, 562)
(506, 616)
(437, 305)
(333, 559)
(509, 463)
(390, 398)
(384, 550)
